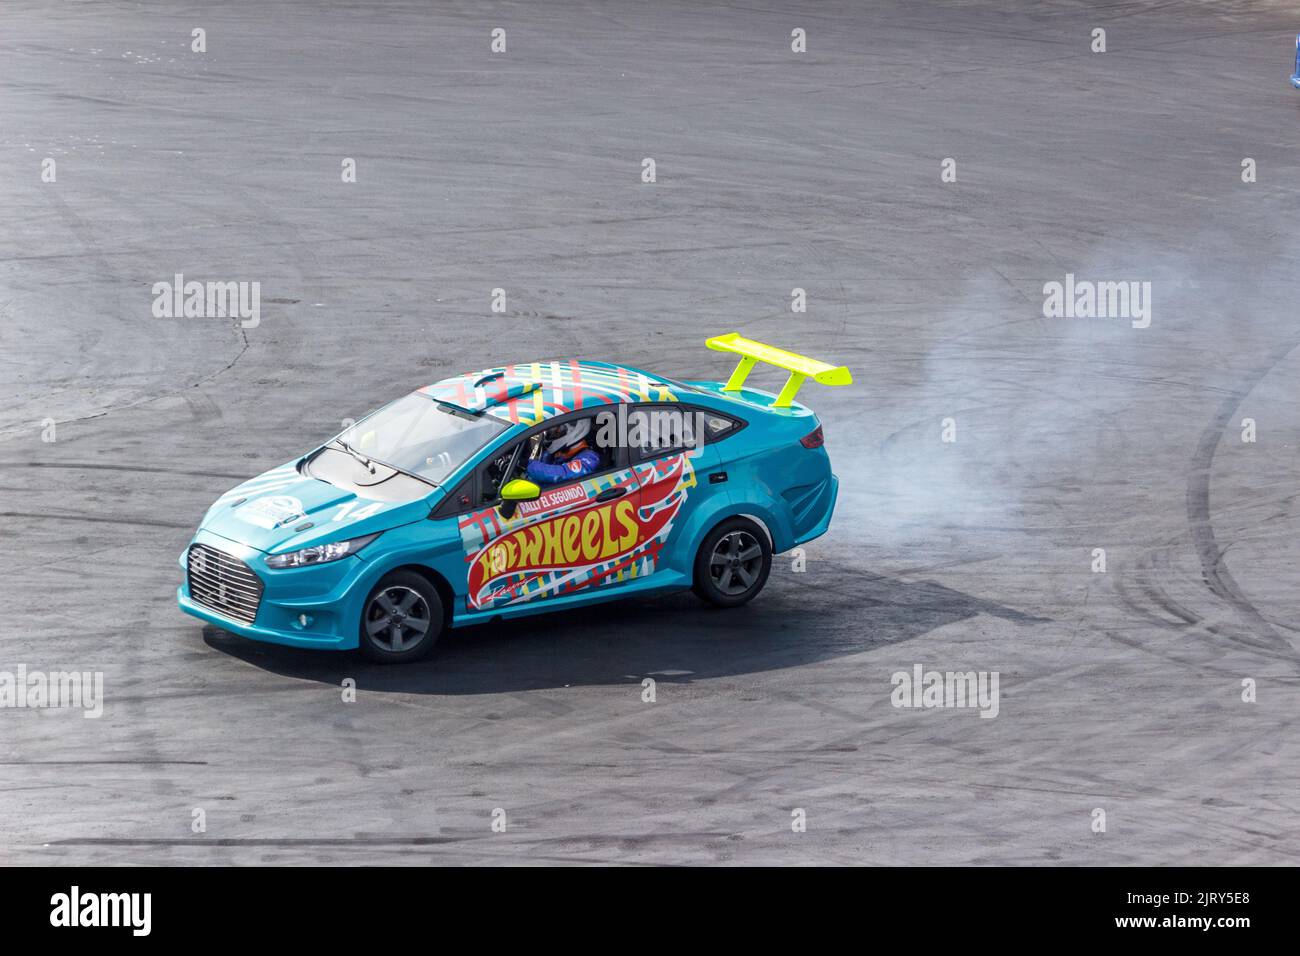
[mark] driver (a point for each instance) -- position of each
(567, 455)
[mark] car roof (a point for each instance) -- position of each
(527, 393)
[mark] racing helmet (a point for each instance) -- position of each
(567, 435)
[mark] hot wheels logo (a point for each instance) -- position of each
(573, 540)
(585, 537)
(581, 548)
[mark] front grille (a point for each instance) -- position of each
(224, 583)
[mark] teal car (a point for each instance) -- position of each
(419, 517)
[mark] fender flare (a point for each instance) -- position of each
(707, 518)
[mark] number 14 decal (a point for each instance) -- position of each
(345, 512)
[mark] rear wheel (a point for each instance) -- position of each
(402, 619)
(733, 563)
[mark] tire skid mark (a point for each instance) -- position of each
(1214, 571)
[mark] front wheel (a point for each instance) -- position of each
(733, 563)
(402, 619)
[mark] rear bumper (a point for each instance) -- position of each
(821, 527)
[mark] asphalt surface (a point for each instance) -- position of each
(1119, 691)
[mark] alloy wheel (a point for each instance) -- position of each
(736, 563)
(397, 618)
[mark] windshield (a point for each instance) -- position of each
(417, 435)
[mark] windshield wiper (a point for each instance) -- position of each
(369, 464)
(355, 454)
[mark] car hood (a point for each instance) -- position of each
(282, 510)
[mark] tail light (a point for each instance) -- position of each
(814, 439)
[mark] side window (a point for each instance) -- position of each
(598, 438)
(504, 464)
(718, 425)
(512, 461)
(654, 431)
(483, 488)
(605, 439)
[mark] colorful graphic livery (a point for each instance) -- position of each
(419, 517)
(560, 549)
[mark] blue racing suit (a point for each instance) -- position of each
(551, 469)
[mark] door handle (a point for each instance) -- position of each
(610, 494)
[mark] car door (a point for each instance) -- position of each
(675, 467)
(575, 537)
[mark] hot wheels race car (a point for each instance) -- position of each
(1295, 77)
(419, 517)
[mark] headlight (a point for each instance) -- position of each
(321, 553)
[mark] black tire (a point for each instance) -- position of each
(413, 601)
(723, 575)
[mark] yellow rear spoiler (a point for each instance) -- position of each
(800, 367)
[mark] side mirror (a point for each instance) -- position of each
(520, 489)
(515, 491)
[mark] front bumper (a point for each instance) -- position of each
(329, 595)
(303, 638)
